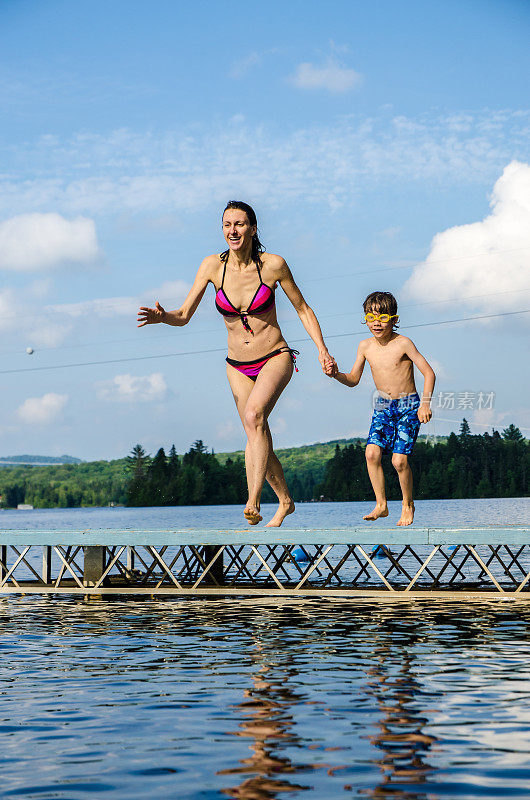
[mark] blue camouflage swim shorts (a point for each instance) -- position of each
(395, 423)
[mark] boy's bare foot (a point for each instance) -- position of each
(407, 514)
(252, 515)
(379, 511)
(285, 508)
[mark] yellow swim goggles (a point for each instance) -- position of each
(379, 317)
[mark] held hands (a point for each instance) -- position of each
(424, 412)
(328, 364)
(331, 369)
(149, 316)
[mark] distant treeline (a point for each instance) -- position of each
(490, 465)
(197, 479)
(94, 483)
(487, 465)
(41, 461)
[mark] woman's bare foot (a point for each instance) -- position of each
(407, 514)
(380, 510)
(285, 508)
(252, 515)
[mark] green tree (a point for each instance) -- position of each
(138, 460)
(173, 468)
(157, 479)
(465, 431)
(465, 466)
(138, 463)
(512, 434)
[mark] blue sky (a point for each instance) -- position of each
(383, 145)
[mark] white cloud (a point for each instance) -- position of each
(21, 311)
(487, 417)
(243, 65)
(227, 430)
(48, 326)
(131, 389)
(8, 308)
(173, 292)
(391, 232)
(330, 76)
(33, 242)
(327, 164)
(278, 425)
(439, 369)
(489, 258)
(98, 307)
(292, 404)
(40, 410)
(47, 334)
(39, 289)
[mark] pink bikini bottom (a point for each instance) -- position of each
(253, 368)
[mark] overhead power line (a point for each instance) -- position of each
(436, 418)
(376, 269)
(223, 349)
(383, 268)
(428, 324)
(216, 330)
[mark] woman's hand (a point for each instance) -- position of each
(326, 362)
(330, 367)
(149, 316)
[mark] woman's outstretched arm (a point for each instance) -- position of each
(305, 312)
(180, 316)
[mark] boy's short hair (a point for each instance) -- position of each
(382, 302)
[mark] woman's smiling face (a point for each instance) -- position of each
(237, 230)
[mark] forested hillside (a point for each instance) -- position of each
(304, 466)
(463, 465)
(489, 465)
(93, 483)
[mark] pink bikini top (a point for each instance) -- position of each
(262, 301)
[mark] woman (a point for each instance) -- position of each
(260, 362)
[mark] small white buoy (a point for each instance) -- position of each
(29, 350)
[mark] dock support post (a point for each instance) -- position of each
(215, 573)
(94, 565)
(46, 564)
(3, 559)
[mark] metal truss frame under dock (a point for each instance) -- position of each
(368, 561)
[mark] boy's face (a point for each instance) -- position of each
(377, 328)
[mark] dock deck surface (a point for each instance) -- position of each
(371, 560)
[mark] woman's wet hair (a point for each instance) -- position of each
(381, 303)
(257, 247)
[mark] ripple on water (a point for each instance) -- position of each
(197, 699)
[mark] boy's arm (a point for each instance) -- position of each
(353, 377)
(424, 411)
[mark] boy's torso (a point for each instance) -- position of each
(392, 369)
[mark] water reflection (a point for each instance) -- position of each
(313, 699)
(268, 721)
(403, 744)
(271, 708)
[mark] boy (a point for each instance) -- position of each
(398, 410)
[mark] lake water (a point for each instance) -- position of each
(500, 511)
(193, 698)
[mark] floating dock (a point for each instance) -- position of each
(369, 561)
